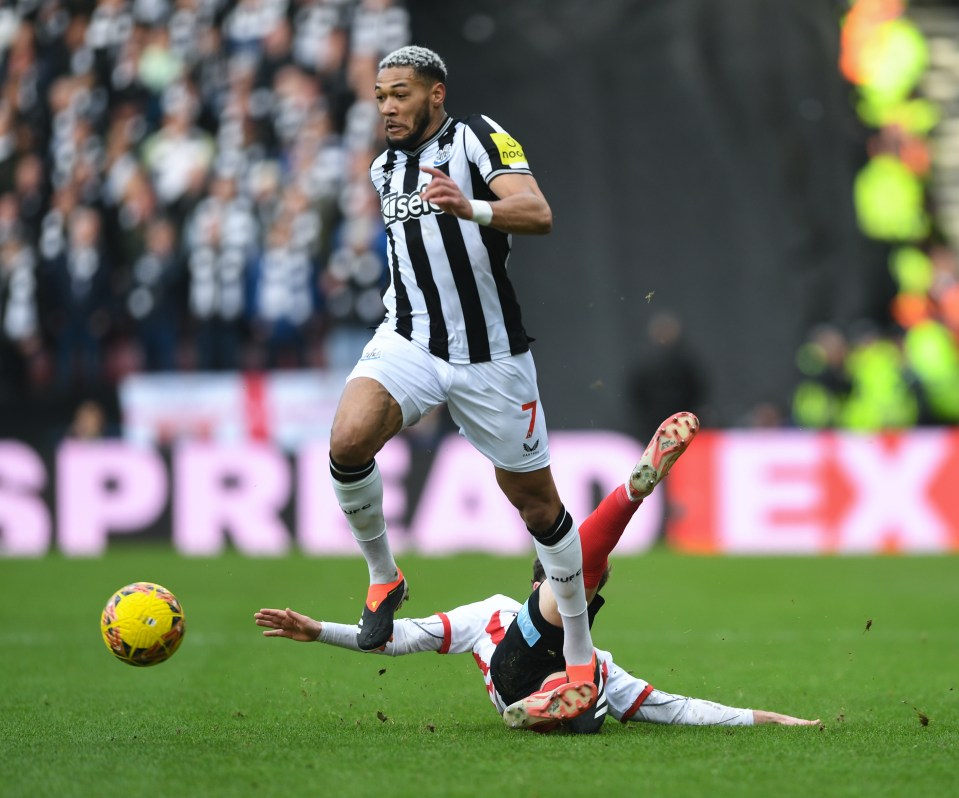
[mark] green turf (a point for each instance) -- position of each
(233, 714)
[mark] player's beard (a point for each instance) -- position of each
(421, 123)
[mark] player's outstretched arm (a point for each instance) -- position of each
(289, 624)
(679, 710)
(410, 635)
(633, 699)
(760, 717)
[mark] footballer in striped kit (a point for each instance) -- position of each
(452, 191)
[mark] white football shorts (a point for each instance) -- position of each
(495, 404)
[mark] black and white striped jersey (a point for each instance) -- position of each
(449, 291)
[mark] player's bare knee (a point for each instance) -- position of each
(350, 445)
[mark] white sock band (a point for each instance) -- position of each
(563, 564)
(362, 502)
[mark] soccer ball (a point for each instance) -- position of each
(142, 624)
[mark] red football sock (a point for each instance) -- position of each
(601, 531)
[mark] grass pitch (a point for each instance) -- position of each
(235, 714)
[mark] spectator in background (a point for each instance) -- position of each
(79, 280)
(220, 238)
(159, 66)
(263, 187)
(132, 215)
(53, 228)
(379, 26)
(110, 26)
(282, 293)
(249, 21)
(179, 155)
(89, 422)
(23, 83)
(306, 226)
(30, 187)
(820, 397)
(242, 125)
(76, 105)
(276, 53)
(296, 98)
(320, 39)
(154, 297)
(882, 392)
(127, 194)
(19, 323)
(209, 64)
(668, 376)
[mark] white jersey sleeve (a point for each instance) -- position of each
(410, 636)
(471, 626)
(476, 628)
(463, 629)
(633, 699)
(494, 151)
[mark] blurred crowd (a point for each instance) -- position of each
(184, 185)
(900, 368)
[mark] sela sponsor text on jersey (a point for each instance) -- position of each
(398, 207)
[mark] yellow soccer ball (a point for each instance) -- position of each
(142, 624)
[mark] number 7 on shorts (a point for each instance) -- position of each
(532, 418)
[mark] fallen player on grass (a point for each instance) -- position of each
(522, 662)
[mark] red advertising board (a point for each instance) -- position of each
(792, 492)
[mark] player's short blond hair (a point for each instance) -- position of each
(421, 59)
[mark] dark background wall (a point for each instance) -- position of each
(698, 157)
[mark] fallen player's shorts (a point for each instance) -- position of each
(496, 404)
(530, 652)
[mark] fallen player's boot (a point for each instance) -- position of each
(591, 721)
(382, 602)
(670, 441)
(551, 706)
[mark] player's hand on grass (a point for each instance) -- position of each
(289, 624)
(760, 717)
